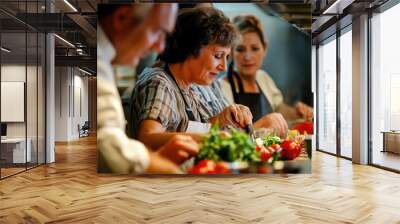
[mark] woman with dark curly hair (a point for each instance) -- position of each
(164, 98)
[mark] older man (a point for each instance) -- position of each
(125, 34)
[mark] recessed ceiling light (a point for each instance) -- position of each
(64, 40)
(5, 50)
(84, 71)
(337, 7)
(70, 5)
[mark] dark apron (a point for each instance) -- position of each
(256, 102)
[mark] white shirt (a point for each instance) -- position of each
(120, 153)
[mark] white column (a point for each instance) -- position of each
(314, 90)
(50, 93)
(50, 100)
(360, 90)
(62, 103)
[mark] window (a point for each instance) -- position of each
(385, 88)
(326, 94)
(346, 93)
(22, 69)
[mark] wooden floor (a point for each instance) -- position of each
(387, 159)
(70, 191)
(10, 171)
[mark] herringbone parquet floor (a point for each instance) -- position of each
(70, 191)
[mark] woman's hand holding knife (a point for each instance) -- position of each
(235, 115)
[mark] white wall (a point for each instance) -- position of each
(33, 127)
(71, 94)
(80, 110)
(12, 73)
(61, 103)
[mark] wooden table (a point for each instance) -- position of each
(13, 150)
(391, 141)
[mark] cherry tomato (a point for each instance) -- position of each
(290, 149)
(203, 167)
(271, 150)
(222, 167)
(265, 155)
(204, 163)
(209, 167)
(263, 170)
(275, 146)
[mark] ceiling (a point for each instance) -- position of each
(329, 16)
(74, 21)
(296, 12)
(310, 15)
(79, 27)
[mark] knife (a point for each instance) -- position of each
(250, 131)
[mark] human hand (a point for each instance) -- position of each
(179, 149)
(236, 115)
(274, 121)
(304, 110)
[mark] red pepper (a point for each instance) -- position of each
(290, 149)
(305, 127)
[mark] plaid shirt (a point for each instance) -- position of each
(213, 96)
(156, 97)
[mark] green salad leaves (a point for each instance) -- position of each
(234, 147)
(271, 139)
